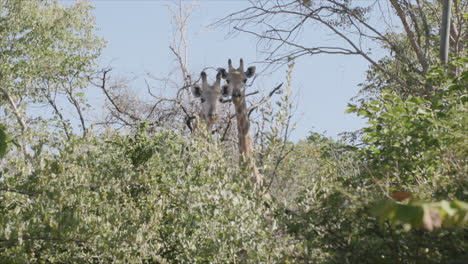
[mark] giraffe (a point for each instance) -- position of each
(211, 97)
(236, 80)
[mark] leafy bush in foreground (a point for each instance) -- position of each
(132, 199)
(413, 146)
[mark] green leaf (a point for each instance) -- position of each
(351, 108)
(4, 140)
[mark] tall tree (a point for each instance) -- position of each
(408, 30)
(46, 52)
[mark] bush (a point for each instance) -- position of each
(132, 199)
(413, 147)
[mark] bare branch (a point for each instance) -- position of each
(277, 24)
(58, 113)
(185, 74)
(71, 98)
(111, 99)
(228, 100)
(264, 99)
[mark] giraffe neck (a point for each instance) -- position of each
(243, 127)
(245, 139)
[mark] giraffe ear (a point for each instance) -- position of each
(223, 73)
(196, 90)
(250, 71)
(225, 92)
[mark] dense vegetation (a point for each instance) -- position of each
(393, 192)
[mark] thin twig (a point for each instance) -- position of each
(264, 99)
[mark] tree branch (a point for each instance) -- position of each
(16, 112)
(57, 111)
(71, 98)
(5, 189)
(109, 97)
(414, 44)
(264, 99)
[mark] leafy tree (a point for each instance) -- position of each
(47, 51)
(158, 196)
(133, 199)
(412, 154)
(413, 52)
(410, 35)
(419, 140)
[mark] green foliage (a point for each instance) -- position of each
(333, 216)
(413, 144)
(416, 214)
(402, 63)
(45, 42)
(4, 138)
(48, 52)
(137, 197)
(418, 140)
(274, 135)
(132, 199)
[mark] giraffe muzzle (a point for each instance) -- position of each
(212, 117)
(236, 94)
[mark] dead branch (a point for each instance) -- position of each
(264, 99)
(52, 103)
(278, 26)
(228, 100)
(72, 99)
(103, 84)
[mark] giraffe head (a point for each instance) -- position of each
(210, 96)
(236, 79)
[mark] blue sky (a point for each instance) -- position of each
(139, 34)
